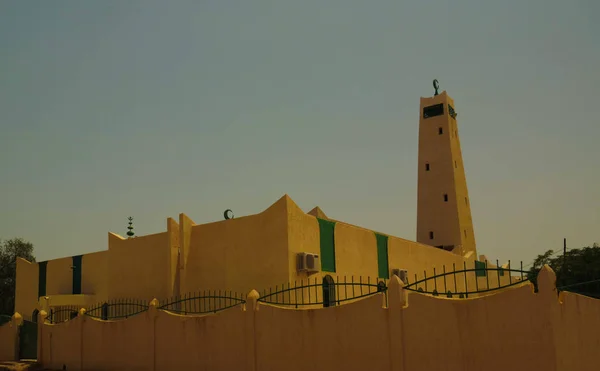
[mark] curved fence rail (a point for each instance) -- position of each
(589, 288)
(203, 302)
(62, 313)
(326, 292)
(117, 309)
(461, 283)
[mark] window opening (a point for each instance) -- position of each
(432, 111)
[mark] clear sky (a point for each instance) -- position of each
(151, 108)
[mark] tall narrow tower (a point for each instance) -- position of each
(443, 206)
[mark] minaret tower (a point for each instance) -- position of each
(443, 205)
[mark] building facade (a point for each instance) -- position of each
(276, 246)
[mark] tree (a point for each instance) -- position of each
(577, 271)
(10, 250)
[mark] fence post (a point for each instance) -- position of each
(82, 320)
(14, 324)
(251, 307)
(397, 295)
(397, 300)
(546, 281)
(42, 315)
(153, 315)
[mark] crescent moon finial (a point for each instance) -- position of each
(436, 86)
(228, 214)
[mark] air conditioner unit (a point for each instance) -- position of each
(308, 262)
(402, 274)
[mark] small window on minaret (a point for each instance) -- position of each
(455, 165)
(426, 167)
(440, 131)
(466, 202)
(431, 235)
(465, 233)
(445, 197)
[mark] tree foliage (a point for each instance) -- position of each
(10, 250)
(577, 271)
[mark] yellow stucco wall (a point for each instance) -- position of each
(414, 332)
(94, 275)
(235, 255)
(26, 290)
(59, 277)
(303, 236)
(9, 337)
(450, 221)
(140, 267)
(238, 254)
(174, 248)
(356, 256)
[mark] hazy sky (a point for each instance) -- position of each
(151, 108)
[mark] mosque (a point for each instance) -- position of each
(279, 245)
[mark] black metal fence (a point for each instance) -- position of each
(208, 301)
(117, 309)
(589, 288)
(203, 302)
(62, 313)
(460, 283)
(325, 292)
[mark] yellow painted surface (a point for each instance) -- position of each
(451, 221)
(303, 237)
(415, 332)
(9, 337)
(139, 267)
(94, 275)
(214, 342)
(356, 255)
(59, 277)
(26, 290)
(356, 251)
(260, 251)
(130, 350)
(78, 301)
(235, 256)
(239, 254)
(60, 345)
(174, 248)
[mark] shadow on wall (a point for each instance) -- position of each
(414, 332)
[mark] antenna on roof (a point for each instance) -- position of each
(228, 214)
(130, 232)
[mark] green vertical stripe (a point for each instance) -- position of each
(382, 256)
(77, 274)
(327, 240)
(479, 269)
(42, 279)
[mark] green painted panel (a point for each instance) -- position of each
(28, 340)
(382, 256)
(42, 279)
(327, 240)
(480, 269)
(77, 274)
